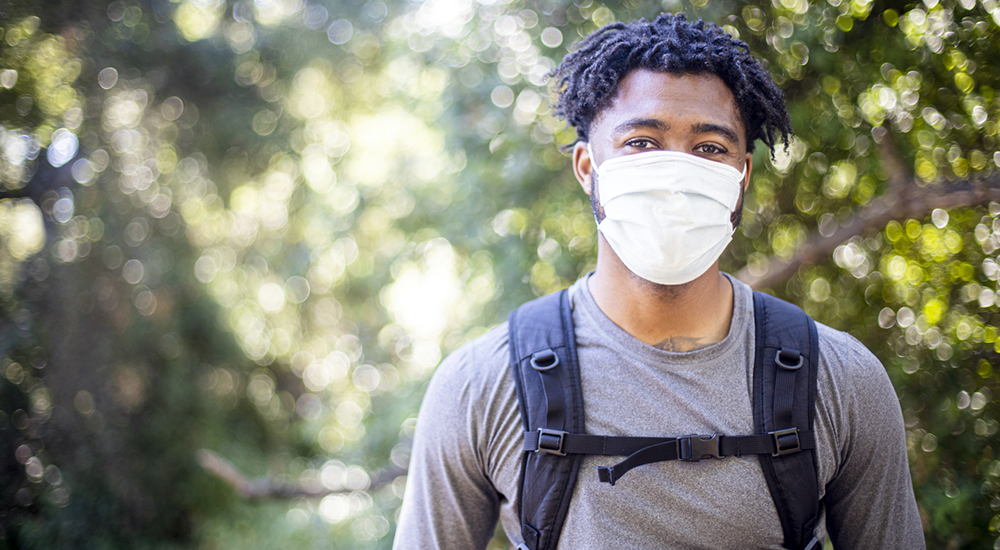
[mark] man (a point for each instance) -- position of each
(666, 115)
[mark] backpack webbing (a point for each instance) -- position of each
(547, 378)
(550, 399)
(782, 399)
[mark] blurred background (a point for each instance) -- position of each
(236, 238)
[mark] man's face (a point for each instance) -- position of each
(689, 113)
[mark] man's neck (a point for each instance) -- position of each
(673, 318)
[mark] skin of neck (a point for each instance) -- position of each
(676, 318)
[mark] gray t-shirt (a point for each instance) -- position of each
(465, 464)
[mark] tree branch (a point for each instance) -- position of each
(268, 487)
(899, 175)
(919, 204)
(14, 194)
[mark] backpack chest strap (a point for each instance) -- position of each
(646, 450)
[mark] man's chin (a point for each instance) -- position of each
(659, 289)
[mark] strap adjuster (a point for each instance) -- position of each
(693, 448)
(786, 441)
(551, 441)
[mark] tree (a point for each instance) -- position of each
(255, 228)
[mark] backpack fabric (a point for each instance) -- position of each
(547, 379)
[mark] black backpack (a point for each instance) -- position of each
(547, 377)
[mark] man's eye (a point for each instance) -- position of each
(710, 149)
(641, 144)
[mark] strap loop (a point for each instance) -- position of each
(788, 359)
(544, 360)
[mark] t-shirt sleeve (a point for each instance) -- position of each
(869, 502)
(449, 501)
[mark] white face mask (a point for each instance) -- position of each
(668, 215)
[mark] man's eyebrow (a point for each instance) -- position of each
(637, 123)
(709, 128)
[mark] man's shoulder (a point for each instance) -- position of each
(842, 352)
(852, 381)
(479, 362)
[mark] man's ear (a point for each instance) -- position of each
(582, 166)
(749, 170)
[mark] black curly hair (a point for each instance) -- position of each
(587, 79)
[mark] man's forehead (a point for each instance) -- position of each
(652, 95)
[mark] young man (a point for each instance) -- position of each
(666, 115)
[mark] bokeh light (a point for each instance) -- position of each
(236, 238)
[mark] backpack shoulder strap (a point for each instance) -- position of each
(784, 395)
(547, 378)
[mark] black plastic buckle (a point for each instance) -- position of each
(551, 441)
(783, 444)
(696, 447)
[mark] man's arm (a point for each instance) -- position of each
(449, 501)
(869, 502)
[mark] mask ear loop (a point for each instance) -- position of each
(737, 216)
(593, 160)
(597, 209)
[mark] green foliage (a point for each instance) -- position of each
(270, 220)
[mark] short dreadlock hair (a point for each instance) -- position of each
(587, 79)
